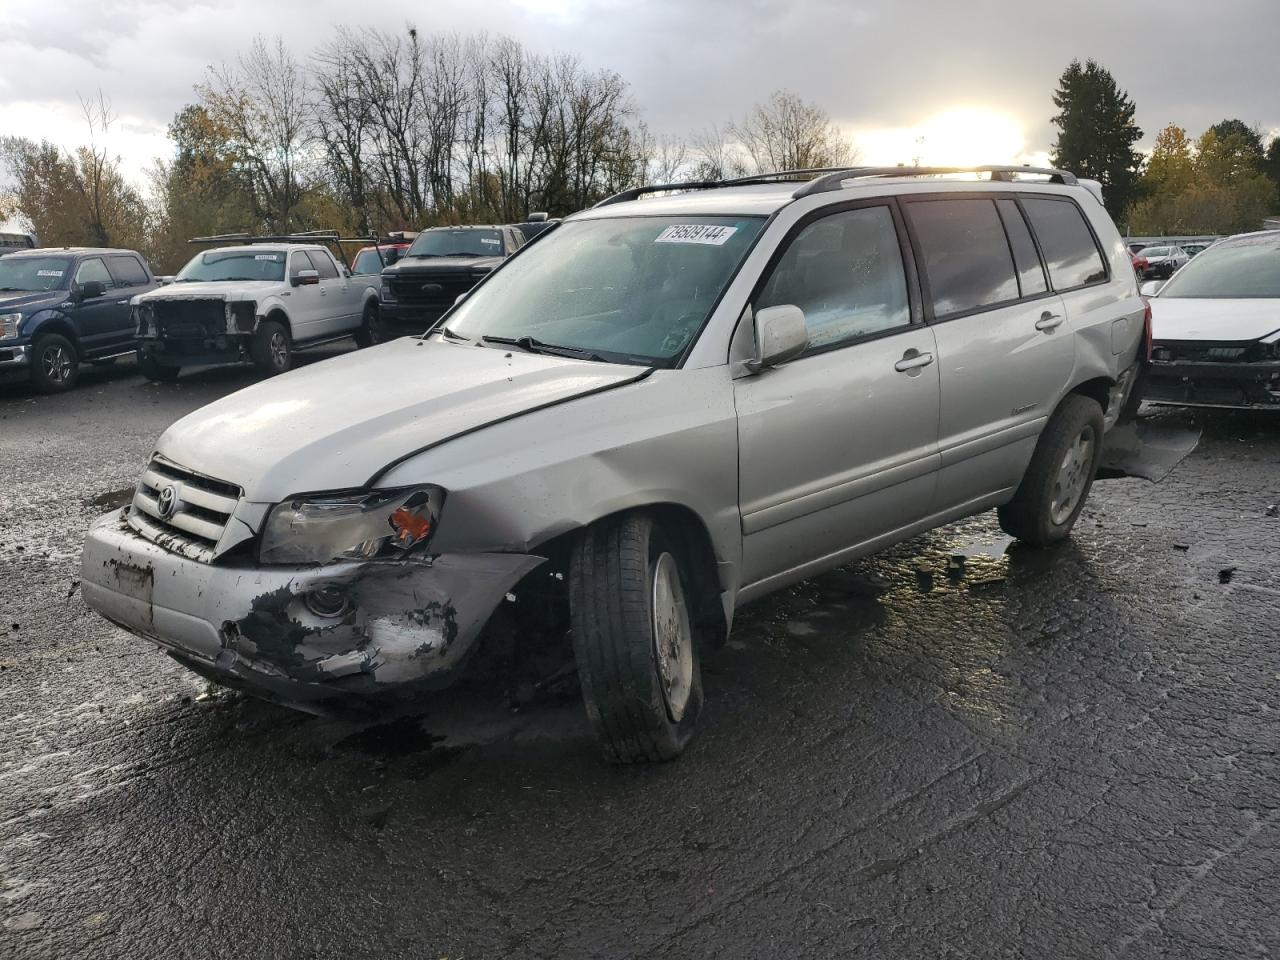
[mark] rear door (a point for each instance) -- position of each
(337, 292)
(130, 278)
(838, 447)
(1005, 348)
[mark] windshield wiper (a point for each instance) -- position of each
(533, 345)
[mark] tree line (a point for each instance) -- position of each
(1225, 181)
(376, 131)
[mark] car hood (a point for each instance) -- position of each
(334, 425)
(221, 289)
(1180, 318)
(422, 265)
(12, 300)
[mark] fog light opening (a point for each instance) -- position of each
(327, 602)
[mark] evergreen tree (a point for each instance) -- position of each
(1096, 132)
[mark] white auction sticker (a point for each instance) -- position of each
(696, 233)
(48, 273)
(488, 240)
(266, 256)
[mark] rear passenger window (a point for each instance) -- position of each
(1068, 245)
(1030, 272)
(323, 264)
(127, 271)
(845, 272)
(966, 256)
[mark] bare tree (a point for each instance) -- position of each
(262, 101)
(343, 117)
(786, 133)
(716, 155)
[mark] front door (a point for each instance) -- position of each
(839, 447)
(96, 319)
(307, 302)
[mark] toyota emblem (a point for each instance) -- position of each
(167, 502)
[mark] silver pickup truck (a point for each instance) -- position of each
(668, 406)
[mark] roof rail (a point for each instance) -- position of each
(802, 173)
(834, 180)
(636, 192)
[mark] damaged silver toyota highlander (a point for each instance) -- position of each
(678, 401)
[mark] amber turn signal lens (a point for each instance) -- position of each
(410, 525)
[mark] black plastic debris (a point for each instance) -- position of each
(1143, 449)
(1225, 574)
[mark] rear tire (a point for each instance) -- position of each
(1057, 481)
(271, 349)
(55, 368)
(155, 371)
(370, 332)
(634, 641)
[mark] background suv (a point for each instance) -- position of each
(61, 307)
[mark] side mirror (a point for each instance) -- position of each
(92, 289)
(306, 278)
(781, 335)
(1151, 288)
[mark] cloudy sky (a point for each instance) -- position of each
(959, 81)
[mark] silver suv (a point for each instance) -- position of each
(668, 406)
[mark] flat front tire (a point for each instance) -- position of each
(1058, 480)
(634, 641)
(272, 351)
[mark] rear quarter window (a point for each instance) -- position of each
(1067, 243)
(127, 271)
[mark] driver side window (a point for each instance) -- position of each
(90, 270)
(845, 272)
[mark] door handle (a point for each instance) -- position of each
(1048, 321)
(913, 360)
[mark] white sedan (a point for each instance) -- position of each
(1216, 328)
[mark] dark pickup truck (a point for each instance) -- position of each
(60, 307)
(442, 264)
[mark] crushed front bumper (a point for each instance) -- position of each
(1236, 384)
(405, 624)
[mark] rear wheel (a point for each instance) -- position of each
(271, 350)
(1057, 482)
(152, 369)
(370, 332)
(54, 364)
(634, 641)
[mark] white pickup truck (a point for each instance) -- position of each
(250, 302)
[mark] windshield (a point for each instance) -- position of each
(1243, 269)
(1150, 252)
(446, 242)
(368, 261)
(33, 273)
(633, 289)
(214, 265)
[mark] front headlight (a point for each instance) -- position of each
(385, 292)
(9, 325)
(144, 318)
(356, 526)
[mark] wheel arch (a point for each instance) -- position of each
(692, 538)
(1098, 389)
(61, 326)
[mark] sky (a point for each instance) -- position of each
(948, 82)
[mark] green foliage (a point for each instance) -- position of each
(1096, 132)
(1217, 187)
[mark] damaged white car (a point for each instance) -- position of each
(1216, 328)
(665, 408)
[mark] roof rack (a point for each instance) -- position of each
(834, 179)
(824, 179)
(306, 236)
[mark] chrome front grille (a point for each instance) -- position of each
(182, 510)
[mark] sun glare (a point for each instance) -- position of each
(967, 135)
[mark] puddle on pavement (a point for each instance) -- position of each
(112, 499)
(397, 738)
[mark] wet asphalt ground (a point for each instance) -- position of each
(1063, 754)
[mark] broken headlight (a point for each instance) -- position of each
(356, 526)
